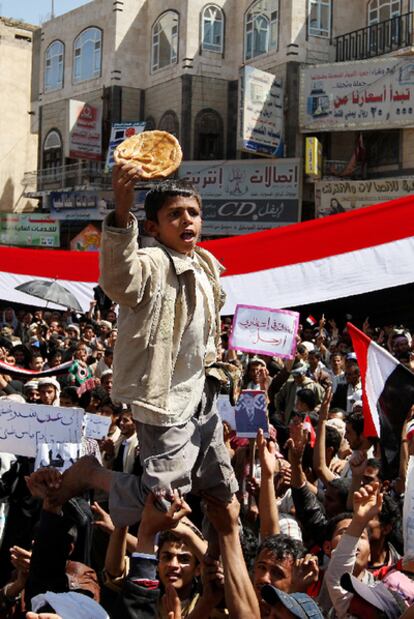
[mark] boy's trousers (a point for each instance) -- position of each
(189, 457)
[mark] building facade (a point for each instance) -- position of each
(18, 145)
(175, 64)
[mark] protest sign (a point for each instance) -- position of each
(96, 426)
(59, 455)
(264, 331)
(24, 426)
(251, 414)
(226, 410)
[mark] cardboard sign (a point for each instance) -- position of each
(251, 414)
(264, 331)
(226, 410)
(96, 426)
(24, 426)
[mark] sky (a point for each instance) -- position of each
(36, 11)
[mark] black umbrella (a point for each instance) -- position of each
(50, 291)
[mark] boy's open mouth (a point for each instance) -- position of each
(188, 235)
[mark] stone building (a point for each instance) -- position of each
(18, 144)
(176, 64)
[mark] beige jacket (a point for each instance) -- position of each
(156, 292)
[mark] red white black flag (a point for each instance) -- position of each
(387, 396)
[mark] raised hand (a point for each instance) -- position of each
(326, 403)
(297, 442)
(153, 520)
(223, 516)
(267, 455)
(41, 482)
(103, 519)
(367, 503)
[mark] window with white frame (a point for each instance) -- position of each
(165, 41)
(52, 151)
(319, 18)
(212, 26)
(261, 28)
(53, 76)
(87, 55)
(381, 10)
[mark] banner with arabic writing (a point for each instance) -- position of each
(29, 230)
(264, 331)
(332, 197)
(363, 95)
(244, 196)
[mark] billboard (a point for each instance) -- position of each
(246, 196)
(89, 205)
(368, 94)
(29, 230)
(85, 131)
(260, 112)
(88, 239)
(332, 197)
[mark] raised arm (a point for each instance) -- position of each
(320, 467)
(240, 596)
(268, 510)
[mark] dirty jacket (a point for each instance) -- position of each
(156, 292)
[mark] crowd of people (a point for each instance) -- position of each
(315, 528)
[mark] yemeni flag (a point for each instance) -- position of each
(387, 396)
(15, 371)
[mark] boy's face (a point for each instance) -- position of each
(178, 224)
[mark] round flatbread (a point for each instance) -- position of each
(158, 153)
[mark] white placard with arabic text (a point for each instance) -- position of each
(264, 331)
(226, 410)
(96, 426)
(24, 426)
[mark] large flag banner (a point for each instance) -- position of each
(387, 395)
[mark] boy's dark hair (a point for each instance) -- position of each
(308, 397)
(158, 196)
(171, 536)
(332, 439)
(333, 523)
(108, 351)
(356, 421)
(282, 546)
(71, 393)
(342, 487)
(373, 463)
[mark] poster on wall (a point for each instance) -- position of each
(29, 230)
(88, 239)
(85, 131)
(368, 94)
(333, 197)
(260, 112)
(244, 196)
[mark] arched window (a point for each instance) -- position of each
(149, 124)
(381, 10)
(208, 135)
(52, 150)
(212, 29)
(169, 122)
(165, 40)
(54, 56)
(261, 28)
(87, 55)
(319, 18)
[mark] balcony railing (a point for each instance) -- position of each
(376, 40)
(82, 175)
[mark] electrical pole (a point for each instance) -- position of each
(52, 15)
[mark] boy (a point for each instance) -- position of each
(169, 327)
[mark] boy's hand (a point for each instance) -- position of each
(367, 503)
(153, 520)
(124, 178)
(267, 456)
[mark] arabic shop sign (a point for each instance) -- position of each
(264, 331)
(240, 197)
(260, 112)
(90, 205)
(29, 230)
(332, 197)
(85, 130)
(363, 95)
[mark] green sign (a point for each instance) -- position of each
(29, 230)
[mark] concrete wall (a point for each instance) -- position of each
(18, 145)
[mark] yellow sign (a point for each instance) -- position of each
(313, 158)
